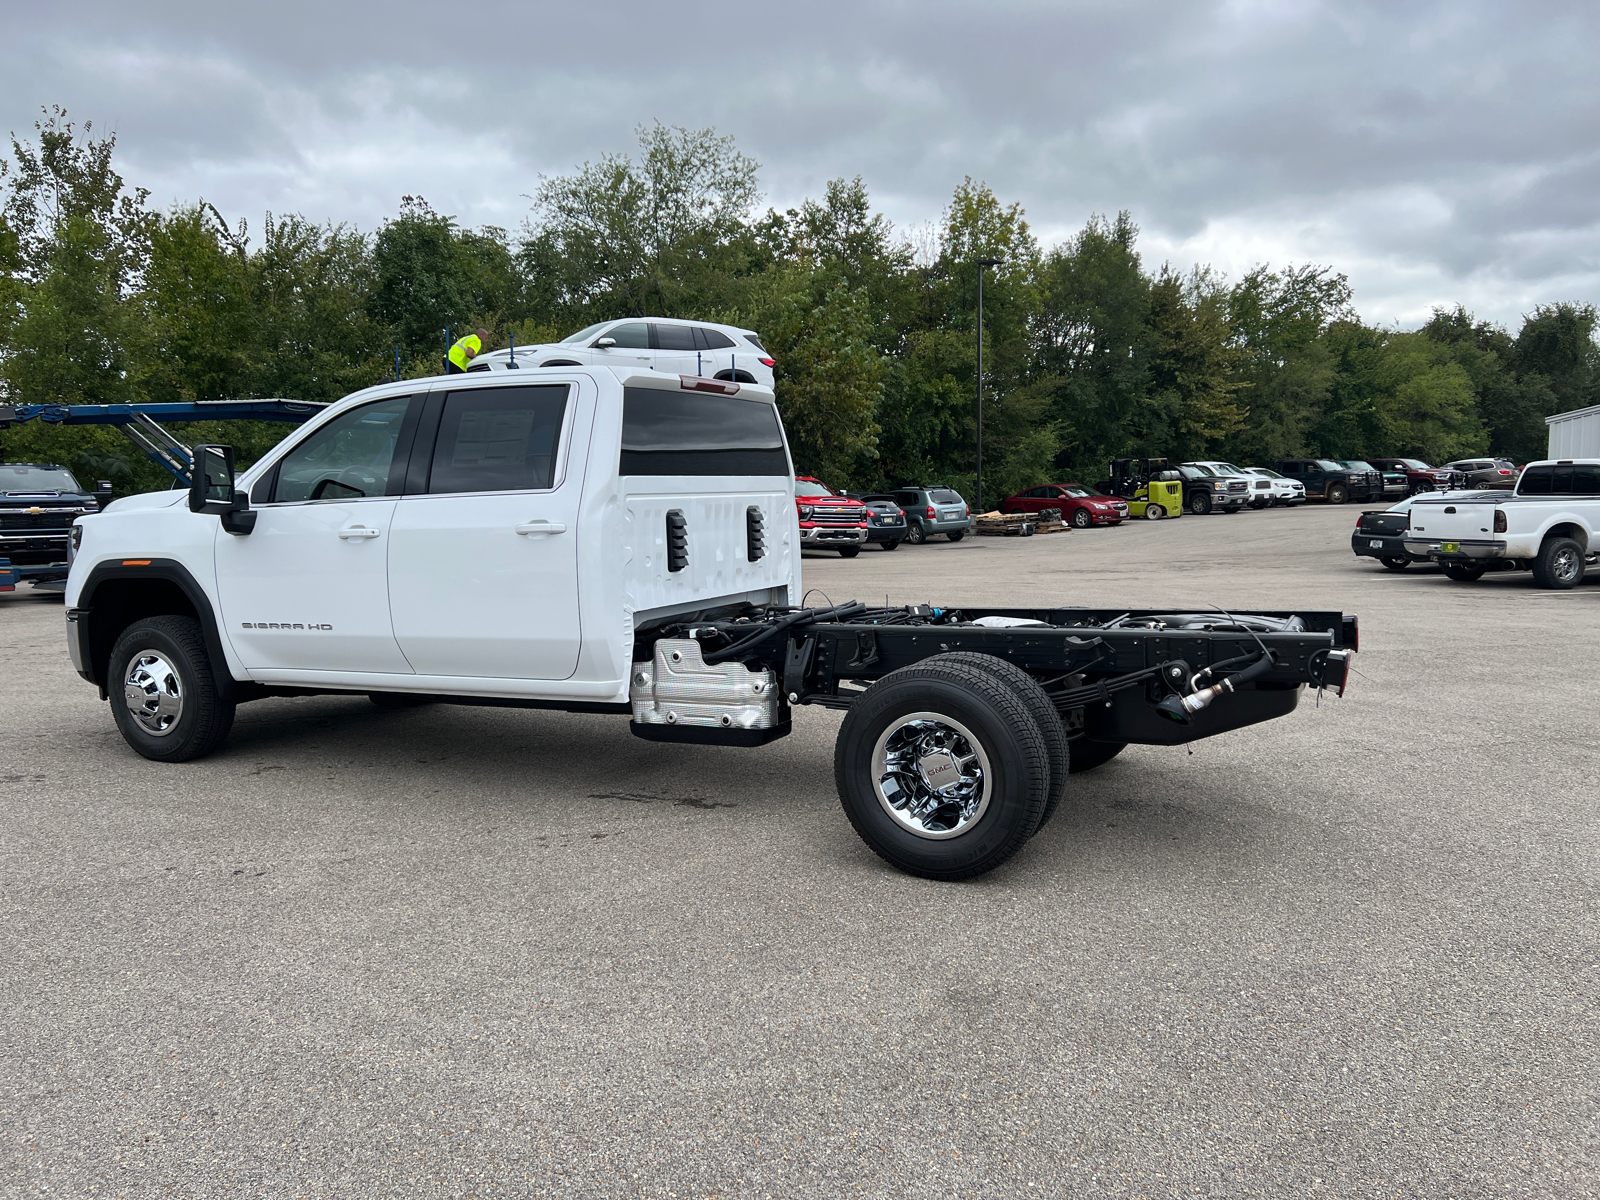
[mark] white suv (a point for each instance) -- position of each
(659, 343)
(1279, 489)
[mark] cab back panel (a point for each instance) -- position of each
(715, 532)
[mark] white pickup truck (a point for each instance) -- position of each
(623, 541)
(1547, 525)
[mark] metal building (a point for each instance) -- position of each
(1575, 434)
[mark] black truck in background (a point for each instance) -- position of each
(38, 504)
(1327, 480)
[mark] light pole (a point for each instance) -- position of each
(982, 263)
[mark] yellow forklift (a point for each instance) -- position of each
(1151, 488)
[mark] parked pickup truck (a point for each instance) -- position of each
(622, 542)
(1547, 525)
(1331, 481)
(38, 504)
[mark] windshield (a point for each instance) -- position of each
(1077, 491)
(1228, 469)
(1355, 464)
(809, 490)
(1324, 465)
(1265, 472)
(944, 496)
(1416, 464)
(19, 477)
(583, 334)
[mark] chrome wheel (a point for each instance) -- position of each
(153, 692)
(1564, 564)
(931, 775)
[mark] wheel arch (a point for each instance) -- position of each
(1567, 529)
(116, 594)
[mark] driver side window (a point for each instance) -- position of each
(347, 459)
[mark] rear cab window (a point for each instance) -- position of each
(691, 433)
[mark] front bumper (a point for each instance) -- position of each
(1434, 548)
(832, 535)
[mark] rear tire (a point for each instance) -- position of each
(849, 551)
(1087, 755)
(1045, 715)
(1462, 572)
(1395, 564)
(164, 695)
(1559, 564)
(978, 739)
(956, 535)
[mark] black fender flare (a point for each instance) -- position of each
(94, 651)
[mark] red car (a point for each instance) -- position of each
(1080, 505)
(829, 521)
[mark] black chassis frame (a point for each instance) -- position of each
(825, 661)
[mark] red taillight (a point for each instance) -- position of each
(1499, 520)
(1504, 472)
(1360, 519)
(767, 362)
(930, 512)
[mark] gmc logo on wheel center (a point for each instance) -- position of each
(285, 625)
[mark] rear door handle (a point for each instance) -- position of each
(357, 533)
(542, 527)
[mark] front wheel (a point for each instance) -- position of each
(1154, 512)
(1081, 518)
(1337, 494)
(1559, 564)
(849, 551)
(1395, 564)
(942, 770)
(1462, 572)
(1200, 503)
(955, 535)
(164, 695)
(894, 545)
(914, 534)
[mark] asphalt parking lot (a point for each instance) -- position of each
(456, 951)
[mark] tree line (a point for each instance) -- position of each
(1089, 353)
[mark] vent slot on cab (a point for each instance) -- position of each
(677, 540)
(755, 537)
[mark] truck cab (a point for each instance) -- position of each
(1327, 480)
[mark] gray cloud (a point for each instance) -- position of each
(1435, 151)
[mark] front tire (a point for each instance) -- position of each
(1200, 503)
(164, 695)
(1081, 519)
(1395, 564)
(849, 551)
(942, 770)
(1337, 494)
(1559, 564)
(1462, 572)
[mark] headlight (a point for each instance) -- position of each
(805, 511)
(77, 536)
(1219, 487)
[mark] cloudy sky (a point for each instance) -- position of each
(1434, 152)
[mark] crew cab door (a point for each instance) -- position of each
(483, 563)
(308, 589)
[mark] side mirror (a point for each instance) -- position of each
(605, 343)
(102, 491)
(211, 489)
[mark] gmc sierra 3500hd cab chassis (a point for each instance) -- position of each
(426, 536)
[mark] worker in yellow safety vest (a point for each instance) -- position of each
(464, 351)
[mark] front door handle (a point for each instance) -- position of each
(542, 527)
(357, 532)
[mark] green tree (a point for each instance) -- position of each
(1193, 389)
